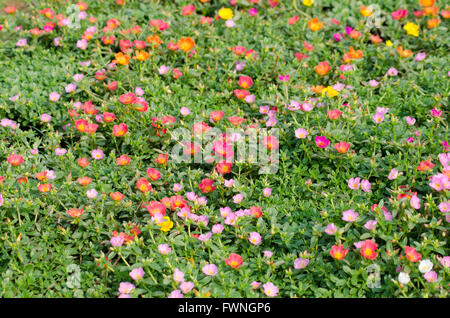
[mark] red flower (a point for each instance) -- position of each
(156, 207)
(15, 160)
(216, 115)
(176, 201)
(162, 159)
(126, 99)
(236, 120)
(120, 130)
(84, 181)
(425, 165)
(206, 185)
(109, 117)
(153, 174)
(256, 211)
(342, 147)
(75, 213)
(241, 93)
(143, 185)
(338, 252)
(234, 260)
(271, 142)
(412, 255)
(83, 162)
(368, 249)
(245, 82)
(44, 187)
(224, 167)
(334, 114)
(117, 196)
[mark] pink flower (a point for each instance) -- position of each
(268, 254)
(354, 183)
(301, 263)
(270, 289)
(186, 287)
(349, 216)
(164, 249)
(267, 192)
(126, 287)
(366, 186)
(331, 229)
(217, 228)
(176, 294)
(255, 284)
(322, 142)
(415, 202)
(410, 121)
(54, 96)
(82, 44)
(370, 225)
(431, 276)
(255, 238)
(301, 133)
(97, 154)
(420, 56)
(178, 275)
(393, 174)
(209, 269)
(185, 111)
(373, 83)
(392, 71)
(378, 117)
(238, 198)
(116, 241)
(253, 12)
(137, 273)
(445, 261)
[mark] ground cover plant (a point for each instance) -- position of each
(224, 148)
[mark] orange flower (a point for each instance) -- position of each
(431, 11)
(427, 3)
(141, 55)
(155, 39)
(117, 196)
(352, 55)
(186, 44)
(403, 53)
(338, 252)
(342, 147)
(121, 58)
(375, 39)
(234, 260)
(366, 11)
(83, 162)
(41, 176)
(432, 23)
(315, 25)
(323, 68)
(84, 181)
(75, 213)
(317, 89)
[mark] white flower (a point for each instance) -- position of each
(403, 278)
(425, 266)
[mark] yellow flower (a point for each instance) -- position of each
(412, 29)
(166, 225)
(389, 43)
(366, 11)
(308, 3)
(330, 91)
(226, 13)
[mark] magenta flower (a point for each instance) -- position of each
(349, 216)
(253, 12)
(436, 112)
(284, 78)
(322, 142)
